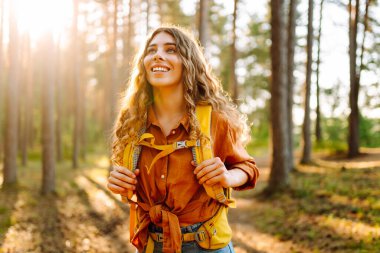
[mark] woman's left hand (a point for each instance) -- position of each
(213, 171)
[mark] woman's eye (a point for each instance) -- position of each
(151, 50)
(171, 50)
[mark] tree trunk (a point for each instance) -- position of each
(318, 131)
(203, 23)
(290, 76)
(353, 121)
(127, 41)
(48, 134)
(306, 154)
(278, 178)
(26, 102)
(233, 82)
(82, 107)
(58, 103)
(114, 87)
(77, 95)
(11, 110)
(147, 16)
(107, 76)
(2, 80)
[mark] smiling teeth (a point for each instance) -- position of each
(155, 69)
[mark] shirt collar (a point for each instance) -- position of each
(152, 120)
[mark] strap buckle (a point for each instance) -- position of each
(160, 237)
(200, 236)
(180, 144)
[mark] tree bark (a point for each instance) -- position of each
(26, 103)
(278, 178)
(107, 76)
(77, 95)
(318, 130)
(12, 105)
(233, 82)
(353, 121)
(306, 154)
(147, 16)
(114, 87)
(2, 80)
(127, 41)
(203, 23)
(58, 102)
(82, 106)
(48, 134)
(290, 76)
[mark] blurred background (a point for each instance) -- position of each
(306, 73)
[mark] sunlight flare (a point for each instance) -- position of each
(41, 16)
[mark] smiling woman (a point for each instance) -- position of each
(40, 16)
(177, 192)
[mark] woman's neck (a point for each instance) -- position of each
(168, 102)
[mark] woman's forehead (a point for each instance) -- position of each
(162, 38)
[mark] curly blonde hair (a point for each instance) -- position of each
(201, 87)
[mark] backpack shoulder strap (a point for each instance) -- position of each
(130, 159)
(204, 151)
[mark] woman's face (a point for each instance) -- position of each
(162, 62)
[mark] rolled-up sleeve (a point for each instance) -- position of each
(230, 150)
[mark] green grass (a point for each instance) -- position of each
(318, 209)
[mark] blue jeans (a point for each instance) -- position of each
(192, 247)
(189, 247)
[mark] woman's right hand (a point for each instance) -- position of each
(122, 180)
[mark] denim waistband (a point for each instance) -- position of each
(188, 229)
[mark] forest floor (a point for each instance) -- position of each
(331, 206)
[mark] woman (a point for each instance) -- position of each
(171, 78)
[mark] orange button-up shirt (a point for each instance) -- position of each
(170, 195)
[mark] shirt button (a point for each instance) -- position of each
(173, 132)
(162, 176)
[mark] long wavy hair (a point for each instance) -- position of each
(200, 87)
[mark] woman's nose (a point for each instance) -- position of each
(157, 56)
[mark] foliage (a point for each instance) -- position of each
(369, 132)
(335, 133)
(171, 12)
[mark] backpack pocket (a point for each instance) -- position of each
(215, 233)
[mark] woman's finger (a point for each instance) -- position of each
(124, 171)
(213, 166)
(206, 163)
(211, 174)
(121, 183)
(122, 177)
(116, 189)
(214, 180)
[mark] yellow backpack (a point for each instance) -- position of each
(214, 233)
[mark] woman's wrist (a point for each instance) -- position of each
(236, 177)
